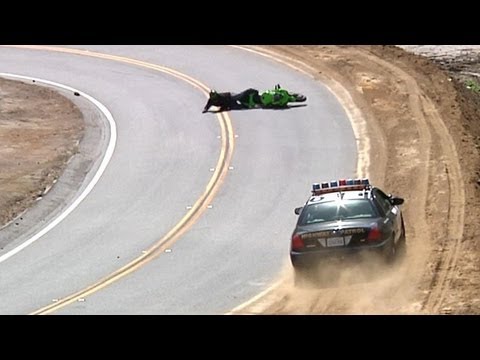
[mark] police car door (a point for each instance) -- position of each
(391, 211)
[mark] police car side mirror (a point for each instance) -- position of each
(396, 200)
(298, 210)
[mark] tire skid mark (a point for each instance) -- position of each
(455, 214)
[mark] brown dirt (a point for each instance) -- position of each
(425, 135)
(425, 138)
(39, 132)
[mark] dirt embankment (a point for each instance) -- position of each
(424, 127)
(39, 132)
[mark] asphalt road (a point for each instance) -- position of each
(161, 164)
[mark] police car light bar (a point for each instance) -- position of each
(340, 185)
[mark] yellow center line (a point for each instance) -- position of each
(190, 217)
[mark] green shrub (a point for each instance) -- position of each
(473, 85)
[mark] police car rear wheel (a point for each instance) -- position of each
(391, 252)
(402, 244)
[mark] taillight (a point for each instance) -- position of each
(374, 235)
(297, 242)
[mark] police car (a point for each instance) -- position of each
(346, 217)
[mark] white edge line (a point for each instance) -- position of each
(254, 299)
(101, 169)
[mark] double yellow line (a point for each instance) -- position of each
(190, 217)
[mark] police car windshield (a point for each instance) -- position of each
(337, 210)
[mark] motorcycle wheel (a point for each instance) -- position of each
(298, 98)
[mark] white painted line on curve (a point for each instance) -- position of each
(93, 182)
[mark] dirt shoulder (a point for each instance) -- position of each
(39, 132)
(424, 127)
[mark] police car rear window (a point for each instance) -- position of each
(341, 209)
